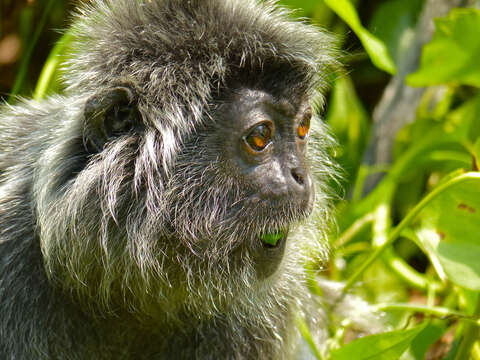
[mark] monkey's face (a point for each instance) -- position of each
(265, 145)
(249, 180)
(215, 218)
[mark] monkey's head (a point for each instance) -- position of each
(184, 159)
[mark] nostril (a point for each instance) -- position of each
(296, 174)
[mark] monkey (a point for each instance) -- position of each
(165, 204)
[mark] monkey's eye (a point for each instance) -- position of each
(304, 125)
(259, 137)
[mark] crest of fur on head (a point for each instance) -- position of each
(157, 224)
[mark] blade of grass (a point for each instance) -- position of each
(26, 56)
(51, 65)
(305, 331)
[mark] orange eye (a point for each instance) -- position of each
(304, 125)
(259, 137)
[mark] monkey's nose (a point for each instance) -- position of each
(299, 182)
(297, 175)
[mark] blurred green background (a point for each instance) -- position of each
(29, 29)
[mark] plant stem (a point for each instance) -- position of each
(471, 334)
(410, 275)
(353, 230)
(438, 311)
(22, 72)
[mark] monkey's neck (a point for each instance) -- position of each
(217, 337)
(259, 332)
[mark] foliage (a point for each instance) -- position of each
(451, 56)
(412, 245)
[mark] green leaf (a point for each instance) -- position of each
(386, 346)
(376, 49)
(28, 51)
(349, 122)
(452, 55)
(51, 68)
(272, 239)
(307, 336)
(394, 22)
(427, 337)
(450, 231)
(464, 121)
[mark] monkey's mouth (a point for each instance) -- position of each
(269, 255)
(273, 240)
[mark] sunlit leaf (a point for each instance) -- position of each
(376, 49)
(450, 232)
(51, 68)
(452, 55)
(386, 346)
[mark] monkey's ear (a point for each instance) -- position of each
(108, 115)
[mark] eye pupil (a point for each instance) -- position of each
(259, 137)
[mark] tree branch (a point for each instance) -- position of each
(399, 102)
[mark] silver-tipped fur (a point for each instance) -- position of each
(134, 252)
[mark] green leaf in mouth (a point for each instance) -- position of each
(272, 239)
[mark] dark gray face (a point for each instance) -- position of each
(264, 142)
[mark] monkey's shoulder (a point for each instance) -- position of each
(27, 129)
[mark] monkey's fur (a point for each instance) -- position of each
(145, 245)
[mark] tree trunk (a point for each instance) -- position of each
(399, 102)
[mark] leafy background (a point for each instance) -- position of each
(406, 113)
